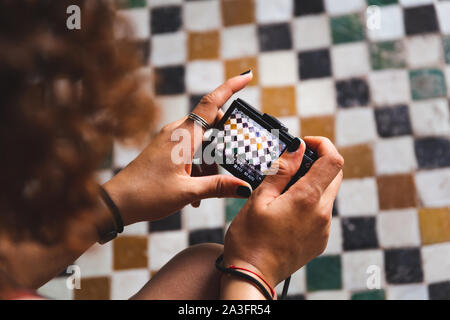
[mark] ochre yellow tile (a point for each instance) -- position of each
(434, 225)
(237, 66)
(98, 288)
(396, 192)
(203, 45)
(278, 101)
(358, 161)
(130, 252)
(318, 126)
(236, 12)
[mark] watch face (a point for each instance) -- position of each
(246, 148)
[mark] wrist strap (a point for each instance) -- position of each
(233, 270)
(118, 222)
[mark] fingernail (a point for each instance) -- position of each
(244, 191)
(246, 72)
(295, 144)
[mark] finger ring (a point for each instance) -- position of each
(199, 120)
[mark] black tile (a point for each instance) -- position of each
(169, 80)
(172, 222)
(393, 121)
(359, 233)
(353, 92)
(165, 19)
(295, 297)
(432, 152)
(314, 64)
(439, 291)
(206, 235)
(335, 211)
(420, 20)
(304, 7)
(403, 266)
(275, 37)
(194, 100)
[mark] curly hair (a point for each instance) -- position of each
(65, 96)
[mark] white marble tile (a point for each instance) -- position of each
(339, 7)
(311, 32)
(204, 76)
(157, 3)
(436, 262)
(329, 295)
(391, 25)
(355, 265)
(358, 197)
(140, 228)
(355, 126)
(278, 68)
(414, 3)
(297, 285)
(292, 123)
(398, 228)
(239, 41)
(125, 284)
(447, 79)
(316, 97)
(124, 154)
(345, 63)
(168, 49)
(407, 292)
(394, 155)
(433, 187)
(430, 117)
(97, 261)
(56, 289)
(139, 19)
(210, 214)
(202, 15)
(389, 87)
(270, 11)
(172, 108)
(104, 175)
(251, 95)
(163, 246)
(334, 245)
(424, 51)
(443, 12)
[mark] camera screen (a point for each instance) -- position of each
(247, 148)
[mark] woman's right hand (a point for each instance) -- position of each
(276, 234)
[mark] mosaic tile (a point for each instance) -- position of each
(446, 46)
(123, 154)
(403, 265)
(443, 12)
(369, 295)
(336, 7)
(398, 228)
(414, 3)
(172, 222)
(125, 284)
(434, 225)
(344, 63)
(311, 32)
(247, 38)
(430, 117)
(432, 152)
(131, 3)
(433, 187)
(97, 261)
(436, 262)
(235, 12)
(159, 3)
(423, 51)
(358, 197)
(163, 246)
(203, 45)
(278, 101)
(168, 49)
(297, 285)
(334, 245)
(172, 106)
(428, 83)
(130, 252)
(355, 126)
(353, 92)
(355, 265)
(329, 295)
(389, 87)
(139, 21)
(439, 291)
(381, 2)
(358, 161)
(393, 121)
(237, 66)
(316, 97)
(408, 292)
(391, 27)
(170, 80)
(206, 235)
(359, 233)
(278, 68)
(318, 126)
(210, 214)
(233, 206)
(275, 37)
(396, 192)
(202, 15)
(347, 28)
(165, 19)
(420, 20)
(268, 11)
(307, 7)
(324, 273)
(395, 155)
(56, 289)
(314, 64)
(94, 289)
(204, 76)
(387, 55)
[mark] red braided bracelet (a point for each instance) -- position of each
(244, 269)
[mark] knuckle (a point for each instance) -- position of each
(208, 99)
(310, 196)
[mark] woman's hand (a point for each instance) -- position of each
(152, 186)
(275, 235)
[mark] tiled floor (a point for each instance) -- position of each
(381, 95)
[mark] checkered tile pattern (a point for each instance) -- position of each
(380, 94)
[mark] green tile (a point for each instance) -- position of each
(446, 42)
(381, 2)
(427, 83)
(131, 3)
(347, 28)
(369, 295)
(387, 55)
(232, 207)
(324, 273)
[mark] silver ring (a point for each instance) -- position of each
(199, 120)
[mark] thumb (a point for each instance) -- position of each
(220, 186)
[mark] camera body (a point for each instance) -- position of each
(250, 142)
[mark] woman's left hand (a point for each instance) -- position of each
(153, 186)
